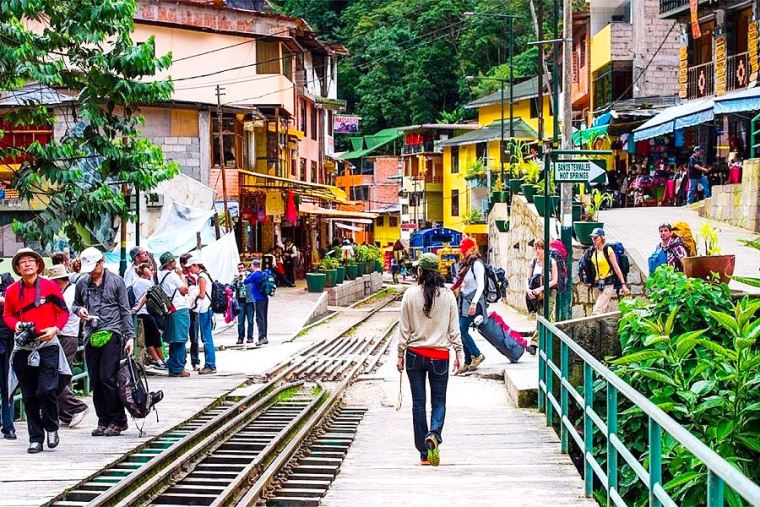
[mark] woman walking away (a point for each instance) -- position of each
(429, 327)
(470, 288)
(153, 344)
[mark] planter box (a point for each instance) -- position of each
(515, 184)
(583, 230)
(498, 197)
(577, 210)
(703, 266)
(315, 282)
(528, 191)
(352, 271)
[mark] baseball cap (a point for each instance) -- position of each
(428, 262)
(57, 271)
(597, 232)
(697, 148)
(133, 252)
(466, 245)
(166, 258)
(193, 261)
(89, 258)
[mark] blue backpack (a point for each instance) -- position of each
(657, 259)
(268, 284)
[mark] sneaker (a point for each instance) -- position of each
(77, 418)
(465, 369)
(11, 435)
(531, 350)
(183, 373)
(424, 462)
(476, 362)
(34, 448)
(114, 430)
(52, 439)
(262, 341)
(162, 366)
(99, 431)
(196, 367)
(207, 371)
(249, 340)
(239, 342)
(434, 457)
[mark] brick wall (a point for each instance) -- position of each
(649, 31)
(183, 150)
(385, 191)
(737, 204)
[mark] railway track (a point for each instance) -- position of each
(241, 451)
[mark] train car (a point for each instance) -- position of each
(438, 240)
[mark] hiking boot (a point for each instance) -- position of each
(77, 418)
(99, 431)
(476, 362)
(433, 456)
(52, 439)
(207, 371)
(239, 342)
(424, 462)
(531, 349)
(183, 373)
(114, 430)
(34, 448)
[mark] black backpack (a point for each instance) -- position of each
(132, 386)
(496, 283)
(218, 296)
(131, 296)
(587, 272)
(158, 304)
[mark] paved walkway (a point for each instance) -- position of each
(493, 453)
(637, 228)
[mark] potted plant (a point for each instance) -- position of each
(712, 264)
(474, 216)
(376, 262)
(517, 160)
(352, 270)
(330, 268)
(475, 175)
(589, 220)
(530, 177)
(539, 199)
(340, 274)
(316, 279)
(498, 194)
(502, 225)
(361, 259)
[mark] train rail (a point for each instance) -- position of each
(239, 451)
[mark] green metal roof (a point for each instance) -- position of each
(525, 90)
(369, 144)
(492, 132)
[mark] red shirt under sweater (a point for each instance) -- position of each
(51, 309)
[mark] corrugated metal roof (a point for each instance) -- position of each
(32, 94)
(372, 142)
(525, 90)
(492, 132)
(442, 126)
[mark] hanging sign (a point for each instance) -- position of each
(332, 104)
(720, 65)
(683, 73)
(694, 7)
(346, 124)
(753, 34)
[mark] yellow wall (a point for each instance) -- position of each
(601, 48)
(385, 234)
(456, 182)
(492, 113)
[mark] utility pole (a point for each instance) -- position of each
(511, 98)
(566, 189)
(219, 95)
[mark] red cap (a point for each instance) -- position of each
(466, 245)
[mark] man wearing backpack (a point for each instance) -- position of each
(178, 321)
(256, 281)
(609, 277)
(668, 252)
(245, 302)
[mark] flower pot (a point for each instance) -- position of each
(340, 275)
(361, 268)
(331, 276)
(379, 266)
(498, 197)
(577, 210)
(352, 271)
(554, 203)
(369, 267)
(502, 225)
(528, 191)
(315, 282)
(703, 266)
(583, 231)
(540, 201)
(514, 185)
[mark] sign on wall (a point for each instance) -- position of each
(754, 52)
(720, 65)
(683, 73)
(346, 124)
(332, 104)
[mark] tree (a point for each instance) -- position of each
(85, 46)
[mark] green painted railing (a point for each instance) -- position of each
(720, 473)
(755, 139)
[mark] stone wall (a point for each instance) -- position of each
(352, 291)
(510, 250)
(737, 204)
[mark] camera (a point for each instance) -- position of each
(26, 335)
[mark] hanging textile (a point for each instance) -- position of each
(291, 211)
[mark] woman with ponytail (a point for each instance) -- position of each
(429, 326)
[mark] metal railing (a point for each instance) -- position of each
(755, 139)
(720, 473)
(411, 149)
(737, 71)
(700, 80)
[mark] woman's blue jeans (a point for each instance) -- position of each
(206, 332)
(437, 373)
(468, 344)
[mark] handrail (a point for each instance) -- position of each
(719, 470)
(755, 131)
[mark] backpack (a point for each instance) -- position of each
(496, 283)
(132, 387)
(218, 296)
(587, 271)
(622, 259)
(157, 302)
(268, 285)
(657, 259)
(561, 269)
(131, 296)
(683, 230)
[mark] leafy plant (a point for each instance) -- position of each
(541, 185)
(709, 235)
(473, 217)
(531, 173)
(595, 203)
(749, 280)
(498, 185)
(329, 262)
(476, 169)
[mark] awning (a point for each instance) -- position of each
(673, 118)
(341, 225)
(745, 100)
(353, 220)
(582, 137)
(327, 192)
(335, 213)
(492, 132)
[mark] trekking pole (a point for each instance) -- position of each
(400, 393)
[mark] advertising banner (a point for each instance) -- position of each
(346, 124)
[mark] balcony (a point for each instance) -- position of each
(416, 149)
(737, 72)
(700, 81)
(675, 8)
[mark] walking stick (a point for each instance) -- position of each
(400, 395)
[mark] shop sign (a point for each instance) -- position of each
(754, 52)
(408, 227)
(582, 171)
(720, 65)
(346, 124)
(683, 73)
(694, 8)
(332, 104)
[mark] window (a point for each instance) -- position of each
(267, 57)
(404, 209)
(454, 159)
(393, 221)
(534, 108)
(360, 193)
(314, 119)
(314, 175)
(380, 221)
(454, 203)
(302, 175)
(481, 151)
(232, 140)
(613, 82)
(287, 65)
(302, 117)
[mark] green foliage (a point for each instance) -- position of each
(453, 116)
(85, 46)
(749, 280)
(477, 169)
(694, 353)
(474, 216)
(595, 203)
(709, 235)
(329, 262)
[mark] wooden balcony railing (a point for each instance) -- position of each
(737, 71)
(701, 80)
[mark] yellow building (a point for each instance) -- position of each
(464, 200)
